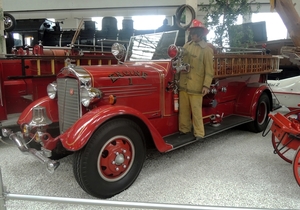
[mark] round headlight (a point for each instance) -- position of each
(118, 50)
(89, 95)
(85, 96)
(52, 90)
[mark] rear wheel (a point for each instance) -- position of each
(296, 166)
(261, 117)
(112, 159)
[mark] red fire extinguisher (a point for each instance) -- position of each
(176, 101)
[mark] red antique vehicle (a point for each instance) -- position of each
(25, 74)
(106, 116)
(285, 128)
(286, 138)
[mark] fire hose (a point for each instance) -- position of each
(182, 10)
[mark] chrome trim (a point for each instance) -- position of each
(51, 165)
(69, 103)
(78, 72)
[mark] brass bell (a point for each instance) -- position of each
(39, 117)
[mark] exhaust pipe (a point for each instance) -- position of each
(51, 165)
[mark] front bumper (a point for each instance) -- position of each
(17, 138)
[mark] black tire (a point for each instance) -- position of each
(111, 160)
(9, 22)
(261, 117)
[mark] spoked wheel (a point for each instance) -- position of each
(9, 22)
(111, 160)
(284, 151)
(296, 166)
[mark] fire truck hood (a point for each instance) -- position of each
(114, 72)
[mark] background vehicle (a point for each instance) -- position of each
(24, 75)
(108, 115)
(9, 22)
(287, 91)
(288, 88)
(286, 128)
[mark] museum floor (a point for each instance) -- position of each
(232, 169)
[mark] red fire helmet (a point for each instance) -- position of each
(198, 24)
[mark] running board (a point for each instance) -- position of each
(177, 140)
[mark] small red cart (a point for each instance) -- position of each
(286, 138)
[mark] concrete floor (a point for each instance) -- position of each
(232, 169)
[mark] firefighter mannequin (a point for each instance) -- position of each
(195, 84)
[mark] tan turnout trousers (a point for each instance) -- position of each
(192, 104)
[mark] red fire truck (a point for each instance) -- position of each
(26, 72)
(107, 115)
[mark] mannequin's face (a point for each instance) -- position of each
(195, 37)
(196, 34)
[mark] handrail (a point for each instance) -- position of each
(98, 202)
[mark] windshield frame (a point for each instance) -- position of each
(148, 47)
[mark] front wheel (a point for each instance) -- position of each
(261, 116)
(112, 159)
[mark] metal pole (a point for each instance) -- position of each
(2, 197)
(98, 202)
(121, 204)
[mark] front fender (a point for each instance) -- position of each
(78, 135)
(247, 100)
(49, 104)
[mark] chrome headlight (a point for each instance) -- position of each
(52, 90)
(118, 50)
(89, 95)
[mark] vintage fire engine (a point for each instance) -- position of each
(107, 115)
(26, 72)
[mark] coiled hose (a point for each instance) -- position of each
(180, 10)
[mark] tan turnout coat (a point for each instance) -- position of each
(200, 57)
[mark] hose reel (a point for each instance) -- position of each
(181, 12)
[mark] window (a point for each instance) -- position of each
(148, 22)
(275, 26)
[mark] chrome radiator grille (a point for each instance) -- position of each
(69, 105)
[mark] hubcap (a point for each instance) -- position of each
(7, 22)
(262, 113)
(115, 158)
